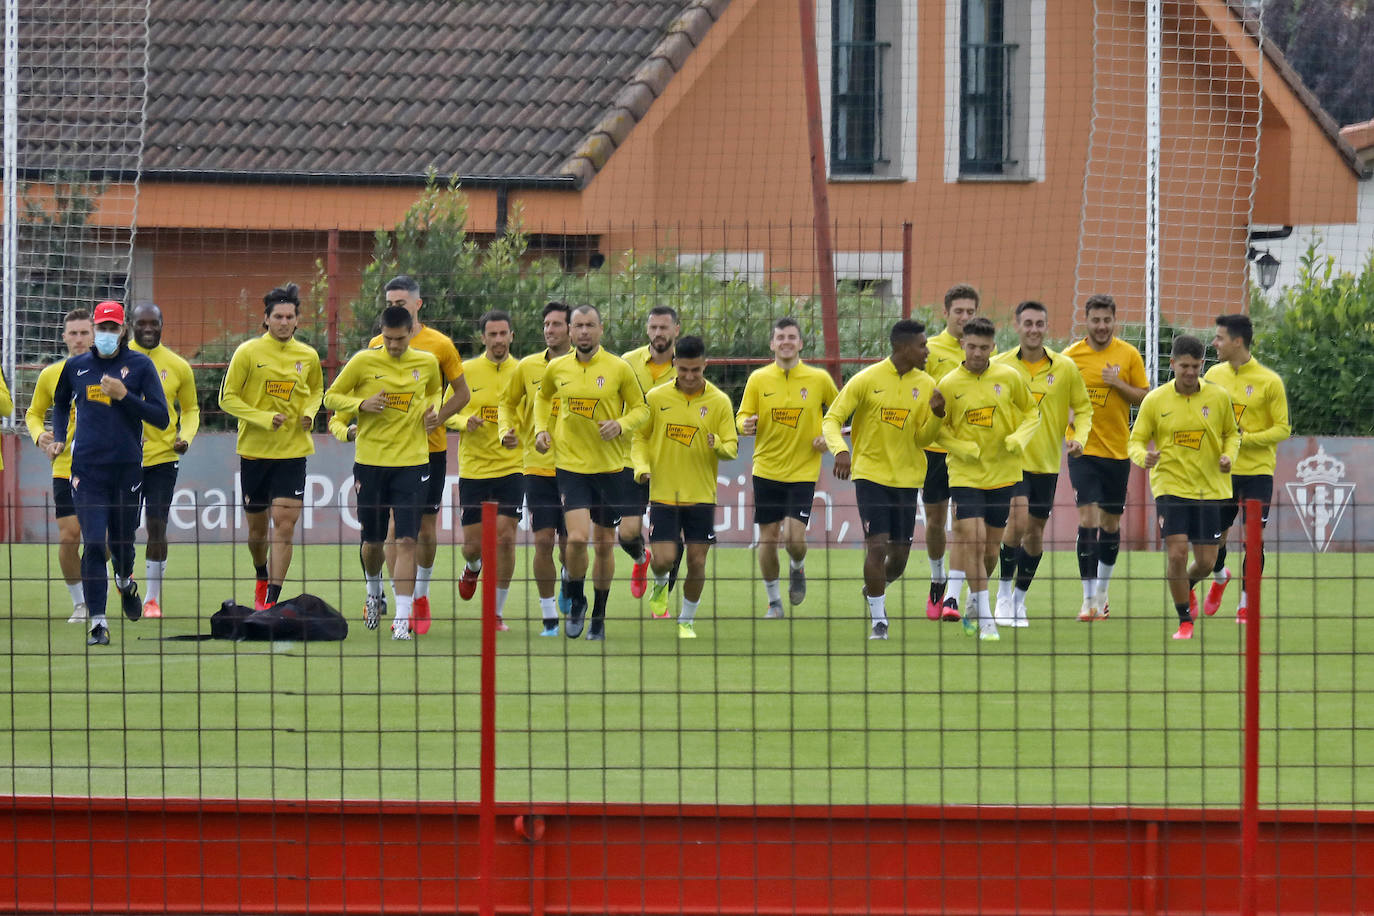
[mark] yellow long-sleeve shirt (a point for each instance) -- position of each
(672, 448)
(1191, 432)
(183, 408)
(396, 437)
(36, 417)
(891, 427)
(266, 377)
(6, 404)
(649, 373)
(1057, 386)
(481, 455)
(1261, 407)
(603, 388)
(790, 404)
(441, 346)
(516, 412)
(946, 354)
(1111, 411)
(990, 418)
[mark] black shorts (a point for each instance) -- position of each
(605, 495)
(507, 492)
(992, 506)
(1243, 487)
(690, 524)
(1039, 492)
(1199, 519)
(62, 503)
(434, 487)
(775, 500)
(546, 509)
(395, 492)
(936, 488)
(637, 496)
(266, 479)
(1100, 481)
(159, 482)
(887, 511)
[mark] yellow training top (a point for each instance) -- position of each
(587, 394)
(6, 403)
(989, 420)
(1191, 433)
(179, 388)
(789, 404)
(450, 367)
(35, 418)
(481, 455)
(671, 447)
(267, 377)
(1261, 407)
(1111, 411)
(394, 438)
(1056, 386)
(892, 425)
(640, 361)
(946, 355)
(516, 412)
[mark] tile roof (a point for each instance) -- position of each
(533, 89)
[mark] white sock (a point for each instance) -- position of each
(1018, 598)
(955, 586)
(1220, 576)
(978, 605)
(422, 574)
(374, 585)
(1104, 575)
(153, 589)
(1089, 589)
(689, 611)
(937, 570)
(474, 568)
(773, 588)
(77, 593)
(98, 621)
(795, 564)
(123, 582)
(877, 608)
(501, 594)
(1243, 602)
(548, 608)
(643, 556)
(403, 604)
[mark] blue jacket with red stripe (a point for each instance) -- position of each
(109, 431)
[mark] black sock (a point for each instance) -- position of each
(1220, 564)
(1006, 556)
(262, 572)
(937, 592)
(1182, 611)
(1087, 553)
(1108, 546)
(273, 594)
(634, 547)
(677, 564)
(599, 602)
(1026, 565)
(576, 589)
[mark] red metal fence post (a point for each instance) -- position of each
(486, 823)
(1249, 813)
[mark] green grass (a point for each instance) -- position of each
(800, 711)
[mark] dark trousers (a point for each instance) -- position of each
(106, 497)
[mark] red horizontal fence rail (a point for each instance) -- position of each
(135, 856)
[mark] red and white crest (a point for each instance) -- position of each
(124, 372)
(415, 374)
(299, 367)
(915, 394)
(162, 375)
(1249, 390)
(601, 381)
(803, 394)
(703, 413)
(1206, 412)
(997, 389)
(1049, 379)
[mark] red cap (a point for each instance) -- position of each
(109, 310)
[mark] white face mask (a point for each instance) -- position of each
(106, 342)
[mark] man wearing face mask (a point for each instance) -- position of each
(162, 447)
(115, 391)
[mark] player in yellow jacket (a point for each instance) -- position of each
(1058, 388)
(677, 452)
(487, 470)
(516, 418)
(1261, 407)
(782, 407)
(78, 334)
(600, 404)
(162, 448)
(1185, 434)
(653, 366)
(896, 413)
(990, 419)
(274, 386)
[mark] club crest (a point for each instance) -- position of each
(803, 394)
(124, 372)
(299, 367)
(1206, 413)
(601, 381)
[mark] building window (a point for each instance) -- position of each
(996, 120)
(857, 61)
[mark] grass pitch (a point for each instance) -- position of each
(805, 710)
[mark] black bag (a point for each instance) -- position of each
(304, 618)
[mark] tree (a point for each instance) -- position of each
(1331, 45)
